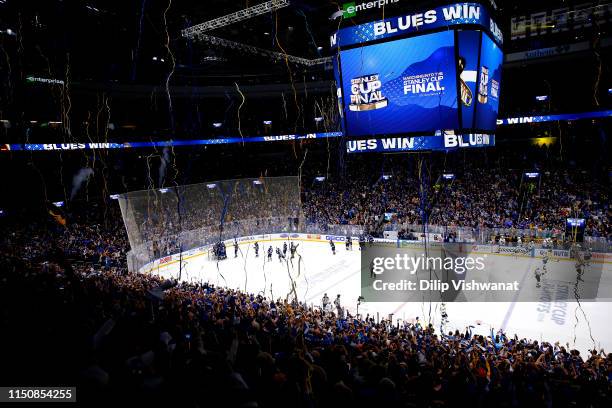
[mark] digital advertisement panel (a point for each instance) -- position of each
(434, 18)
(469, 46)
(401, 86)
(489, 79)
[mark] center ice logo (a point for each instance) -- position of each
(366, 94)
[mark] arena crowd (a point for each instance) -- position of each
(137, 339)
(511, 204)
(83, 319)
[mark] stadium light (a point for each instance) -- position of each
(541, 98)
(386, 176)
(448, 176)
(114, 196)
(318, 119)
(240, 15)
(575, 222)
(320, 178)
(267, 122)
(609, 91)
(532, 174)
(163, 190)
(258, 182)
(217, 124)
(211, 186)
(1, 213)
(58, 204)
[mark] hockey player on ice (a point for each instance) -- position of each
(281, 257)
(545, 259)
(538, 275)
(235, 248)
(582, 260)
(338, 307)
(362, 242)
(347, 243)
(531, 246)
(270, 253)
(284, 249)
(325, 303)
(333, 246)
(501, 242)
(586, 256)
(256, 245)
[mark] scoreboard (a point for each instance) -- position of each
(432, 72)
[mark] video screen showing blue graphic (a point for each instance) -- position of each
(335, 63)
(468, 43)
(401, 86)
(489, 80)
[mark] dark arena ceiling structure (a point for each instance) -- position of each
(155, 70)
(138, 48)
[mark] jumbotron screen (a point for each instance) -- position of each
(400, 86)
(447, 80)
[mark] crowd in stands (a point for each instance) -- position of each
(136, 339)
(479, 197)
(495, 198)
(80, 318)
(211, 207)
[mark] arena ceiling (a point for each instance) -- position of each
(139, 41)
(129, 50)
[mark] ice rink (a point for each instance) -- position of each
(315, 271)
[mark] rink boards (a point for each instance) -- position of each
(173, 259)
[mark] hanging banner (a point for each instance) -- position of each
(420, 143)
(520, 120)
(420, 22)
(165, 143)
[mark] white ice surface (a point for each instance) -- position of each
(316, 271)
